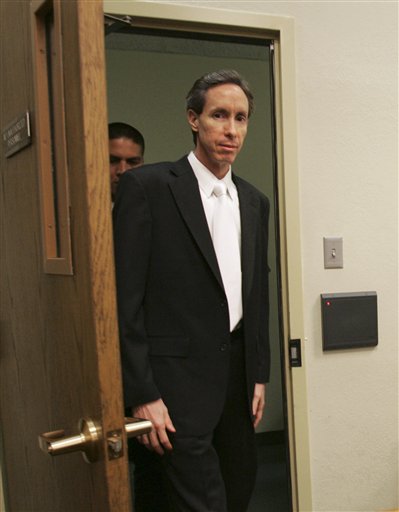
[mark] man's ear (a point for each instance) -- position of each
(192, 118)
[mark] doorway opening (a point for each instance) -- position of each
(149, 72)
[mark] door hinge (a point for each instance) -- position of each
(295, 353)
(116, 23)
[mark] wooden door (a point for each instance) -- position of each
(59, 355)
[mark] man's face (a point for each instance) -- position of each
(221, 127)
(123, 155)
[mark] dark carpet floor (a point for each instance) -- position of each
(272, 488)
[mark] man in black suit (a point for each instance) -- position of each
(194, 323)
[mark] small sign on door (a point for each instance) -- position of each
(17, 135)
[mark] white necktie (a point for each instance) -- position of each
(227, 248)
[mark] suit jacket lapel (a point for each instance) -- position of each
(249, 218)
(188, 199)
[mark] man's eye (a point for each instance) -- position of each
(114, 160)
(133, 161)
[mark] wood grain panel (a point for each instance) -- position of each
(59, 355)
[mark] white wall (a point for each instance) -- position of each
(347, 67)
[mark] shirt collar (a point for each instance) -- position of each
(207, 180)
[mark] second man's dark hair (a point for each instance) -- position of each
(124, 130)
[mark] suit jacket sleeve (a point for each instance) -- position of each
(132, 239)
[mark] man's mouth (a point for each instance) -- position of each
(228, 146)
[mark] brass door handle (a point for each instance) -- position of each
(88, 440)
(137, 427)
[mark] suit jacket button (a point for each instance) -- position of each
(223, 347)
(223, 303)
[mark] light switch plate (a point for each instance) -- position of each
(333, 252)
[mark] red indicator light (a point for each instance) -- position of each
(328, 303)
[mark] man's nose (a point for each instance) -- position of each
(122, 167)
(231, 128)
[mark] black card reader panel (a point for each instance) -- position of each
(349, 320)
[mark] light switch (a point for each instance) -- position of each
(333, 252)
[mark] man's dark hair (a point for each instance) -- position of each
(124, 130)
(195, 99)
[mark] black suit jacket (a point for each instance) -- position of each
(173, 313)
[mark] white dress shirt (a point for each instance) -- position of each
(206, 182)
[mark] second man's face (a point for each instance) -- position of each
(221, 127)
(124, 154)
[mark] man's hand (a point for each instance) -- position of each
(258, 403)
(157, 440)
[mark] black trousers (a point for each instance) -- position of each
(212, 473)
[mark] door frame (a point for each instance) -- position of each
(281, 30)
